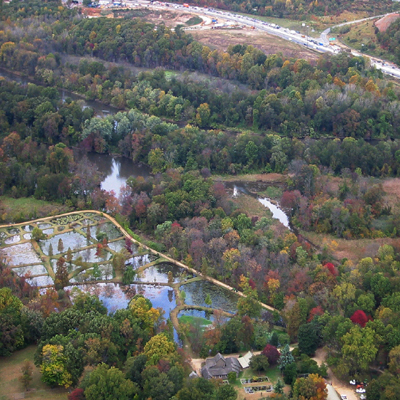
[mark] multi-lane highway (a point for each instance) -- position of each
(320, 44)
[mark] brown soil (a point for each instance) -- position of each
(221, 39)
(384, 23)
(169, 18)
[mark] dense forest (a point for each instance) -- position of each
(331, 128)
(390, 39)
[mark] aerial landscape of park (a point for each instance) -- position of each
(199, 200)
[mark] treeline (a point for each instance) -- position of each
(293, 9)
(390, 41)
(340, 96)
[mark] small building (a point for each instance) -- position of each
(219, 367)
(245, 360)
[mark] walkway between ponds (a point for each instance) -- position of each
(126, 234)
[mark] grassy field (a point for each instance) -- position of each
(26, 208)
(187, 319)
(10, 372)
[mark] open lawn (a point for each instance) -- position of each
(26, 208)
(187, 319)
(10, 386)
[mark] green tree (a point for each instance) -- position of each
(105, 383)
(286, 357)
(309, 338)
(360, 347)
(259, 363)
(53, 368)
(232, 377)
(203, 115)
(226, 392)
(27, 372)
(37, 234)
(278, 388)
(208, 300)
(158, 347)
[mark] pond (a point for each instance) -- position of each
(116, 297)
(116, 170)
(72, 240)
(140, 261)
(44, 280)
(12, 239)
(21, 254)
(221, 298)
(277, 212)
(159, 273)
(31, 269)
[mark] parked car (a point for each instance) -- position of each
(343, 397)
(360, 390)
(363, 397)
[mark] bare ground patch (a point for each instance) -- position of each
(269, 44)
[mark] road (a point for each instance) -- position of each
(320, 45)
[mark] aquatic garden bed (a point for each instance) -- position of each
(196, 293)
(164, 273)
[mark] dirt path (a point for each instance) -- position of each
(340, 386)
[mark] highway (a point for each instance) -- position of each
(320, 44)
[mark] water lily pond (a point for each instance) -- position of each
(196, 293)
(89, 261)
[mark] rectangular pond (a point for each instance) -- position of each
(196, 293)
(159, 273)
(116, 296)
(21, 254)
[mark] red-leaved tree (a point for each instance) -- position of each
(315, 311)
(272, 353)
(359, 317)
(76, 394)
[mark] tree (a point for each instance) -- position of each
(290, 373)
(259, 363)
(37, 234)
(142, 309)
(208, 300)
(105, 383)
(309, 338)
(226, 392)
(248, 305)
(77, 394)
(272, 354)
(27, 372)
(311, 388)
(61, 277)
(359, 317)
(278, 388)
(232, 377)
(203, 115)
(53, 368)
(359, 350)
(60, 246)
(286, 357)
(394, 363)
(158, 347)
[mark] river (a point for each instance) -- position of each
(100, 110)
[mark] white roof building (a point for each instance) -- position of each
(245, 360)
